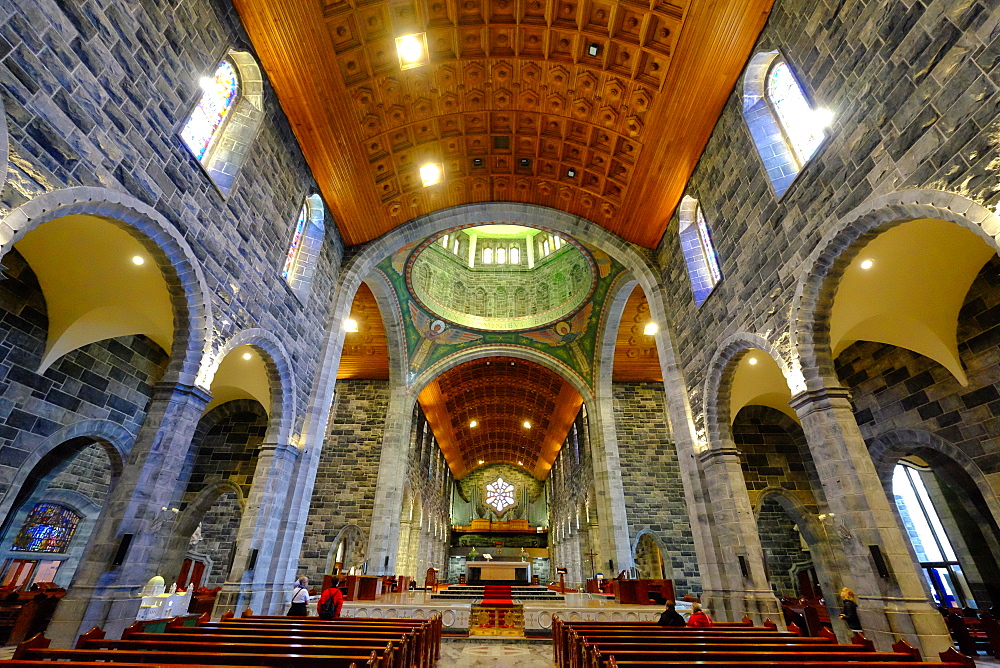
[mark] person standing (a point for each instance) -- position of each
(300, 598)
(670, 616)
(699, 619)
(331, 602)
(850, 608)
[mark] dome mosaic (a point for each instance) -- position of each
(501, 277)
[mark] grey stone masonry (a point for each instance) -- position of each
(344, 493)
(782, 548)
(218, 538)
(228, 448)
(654, 493)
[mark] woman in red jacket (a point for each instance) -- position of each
(698, 618)
(330, 602)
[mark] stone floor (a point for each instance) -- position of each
(500, 653)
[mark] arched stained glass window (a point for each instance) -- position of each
(454, 246)
(803, 127)
(515, 255)
(48, 528)
(545, 247)
(501, 256)
(699, 252)
(219, 95)
(487, 256)
(296, 245)
(444, 241)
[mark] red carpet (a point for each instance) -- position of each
(496, 595)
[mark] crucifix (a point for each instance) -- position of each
(593, 573)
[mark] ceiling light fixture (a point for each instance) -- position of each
(527, 425)
(867, 264)
(752, 361)
(477, 162)
(525, 162)
(520, 463)
(430, 174)
(473, 424)
(481, 461)
(412, 50)
(650, 329)
(571, 173)
(138, 260)
(593, 49)
(247, 356)
(350, 325)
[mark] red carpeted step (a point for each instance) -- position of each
(497, 595)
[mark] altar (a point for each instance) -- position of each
(484, 572)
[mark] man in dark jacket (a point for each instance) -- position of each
(671, 617)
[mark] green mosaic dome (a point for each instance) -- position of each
(501, 277)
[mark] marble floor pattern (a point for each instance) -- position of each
(474, 653)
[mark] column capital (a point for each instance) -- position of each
(808, 401)
(717, 453)
(201, 394)
(280, 449)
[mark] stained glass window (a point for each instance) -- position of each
(501, 255)
(48, 528)
(802, 125)
(217, 100)
(500, 494)
(444, 241)
(545, 247)
(487, 256)
(293, 250)
(454, 247)
(711, 259)
(515, 255)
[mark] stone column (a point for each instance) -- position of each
(862, 519)
(260, 588)
(140, 506)
(737, 544)
(383, 536)
(614, 542)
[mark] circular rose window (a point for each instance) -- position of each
(501, 277)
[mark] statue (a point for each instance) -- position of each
(524, 554)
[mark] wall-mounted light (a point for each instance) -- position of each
(430, 174)
(350, 325)
(412, 50)
(650, 329)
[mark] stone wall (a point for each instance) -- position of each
(344, 493)
(774, 453)
(109, 380)
(651, 478)
(219, 528)
(781, 545)
(226, 446)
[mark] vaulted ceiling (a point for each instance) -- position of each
(511, 102)
(500, 394)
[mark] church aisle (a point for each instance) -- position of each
(475, 653)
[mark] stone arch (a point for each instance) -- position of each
(62, 445)
(4, 146)
(349, 532)
(807, 521)
(817, 284)
(307, 257)
(190, 517)
(718, 383)
(281, 374)
(888, 448)
(660, 545)
(174, 257)
(392, 321)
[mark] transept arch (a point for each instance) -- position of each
(819, 279)
(173, 255)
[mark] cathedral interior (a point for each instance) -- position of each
(698, 290)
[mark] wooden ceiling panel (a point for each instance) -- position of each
(636, 359)
(500, 394)
(507, 80)
(366, 351)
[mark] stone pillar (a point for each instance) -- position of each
(737, 544)
(383, 536)
(862, 519)
(614, 544)
(139, 505)
(260, 588)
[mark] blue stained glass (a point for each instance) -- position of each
(216, 102)
(708, 250)
(48, 528)
(293, 250)
(800, 122)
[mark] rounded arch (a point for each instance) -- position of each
(888, 448)
(4, 146)
(660, 545)
(351, 531)
(822, 270)
(189, 518)
(281, 377)
(718, 382)
(806, 521)
(392, 322)
(172, 254)
(62, 445)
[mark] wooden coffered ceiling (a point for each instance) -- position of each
(366, 351)
(507, 80)
(500, 394)
(636, 359)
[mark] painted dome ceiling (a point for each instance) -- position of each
(501, 278)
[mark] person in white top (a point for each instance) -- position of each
(300, 598)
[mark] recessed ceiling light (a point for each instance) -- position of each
(867, 264)
(412, 50)
(593, 49)
(571, 173)
(473, 424)
(481, 461)
(520, 463)
(430, 174)
(527, 425)
(525, 162)
(138, 260)
(477, 162)
(752, 361)
(650, 329)
(350, 325)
